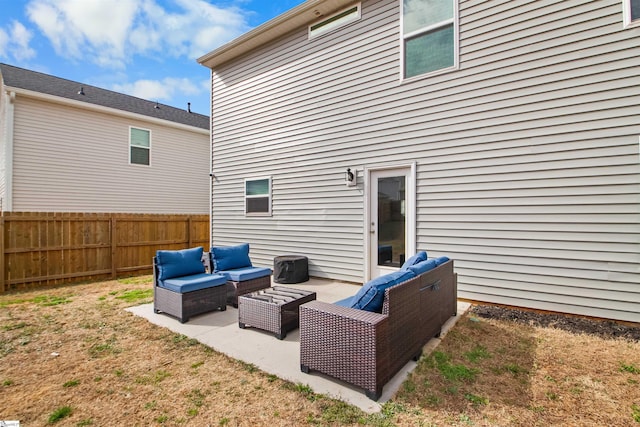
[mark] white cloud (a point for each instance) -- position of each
(14, 42)
(164, 89)
(109, 32)
(79, 29)
(20, 38)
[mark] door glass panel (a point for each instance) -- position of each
(391, 221)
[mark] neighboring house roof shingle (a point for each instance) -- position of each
(20, 78)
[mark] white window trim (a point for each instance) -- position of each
(138, 164)
(320, 31)
(456, 43)
(626, 15)
(259, 196)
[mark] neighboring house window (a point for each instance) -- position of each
(139, 146)
(334, 21)
(429, 36)
(631, 11)
(257, 196)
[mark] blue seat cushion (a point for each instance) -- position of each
(419, 257)
(194, 282)
(245, 273)
(179, 263)
(423, 266)
(230, 257)
(441, 260)
(371, 296)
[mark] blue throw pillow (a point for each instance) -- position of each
(420, 256)
(179, 263)
(230, 257)
(423, 266)
(371, 296)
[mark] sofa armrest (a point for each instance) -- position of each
(345, 343)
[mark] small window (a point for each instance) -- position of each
(139, 146)
(257, 196)
(429, 40)
(631, 12)
(335, 21)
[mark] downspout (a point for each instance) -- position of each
(211, 177)
(7, 204)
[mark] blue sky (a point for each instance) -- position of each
(144, 48)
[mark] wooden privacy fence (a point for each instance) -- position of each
(39, 249)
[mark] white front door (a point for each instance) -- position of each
(391, 218)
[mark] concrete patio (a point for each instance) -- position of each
(220, 331)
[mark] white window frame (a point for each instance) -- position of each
(131, 145)
(341, 22)
(456, 43)
(246, 196)
(626, 15)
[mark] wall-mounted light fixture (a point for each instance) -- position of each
(350, 177)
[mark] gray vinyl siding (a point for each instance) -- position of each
(68, 159)
(527, 156)
(3, 145)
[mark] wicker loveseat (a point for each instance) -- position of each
(367, 348)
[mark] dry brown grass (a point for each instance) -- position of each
(76, 347)
(494, 373)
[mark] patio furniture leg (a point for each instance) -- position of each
(373, 394)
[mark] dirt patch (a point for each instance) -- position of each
(578, 325)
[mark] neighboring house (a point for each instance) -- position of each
(71, 147)
(502, 134)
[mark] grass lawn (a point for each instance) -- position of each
(71, 356)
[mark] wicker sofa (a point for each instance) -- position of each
(367, 348)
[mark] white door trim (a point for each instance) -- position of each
(410, 210)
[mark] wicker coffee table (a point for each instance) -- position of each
(273, 309)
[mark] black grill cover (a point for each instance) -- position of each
(290, 269)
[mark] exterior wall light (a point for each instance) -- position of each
(350, 177)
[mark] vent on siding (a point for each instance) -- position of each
(335, 21)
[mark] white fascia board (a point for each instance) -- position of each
(304, 14)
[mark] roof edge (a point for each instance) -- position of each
(303, 14)
(100, 108)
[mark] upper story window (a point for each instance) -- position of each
(429, 36)
(139, 146)
(631, 12)
(334, 21)
(257, 196)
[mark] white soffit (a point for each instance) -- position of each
(304, 14)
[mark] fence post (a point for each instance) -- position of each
(189, 233)
(114, 248)
(2, 284)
